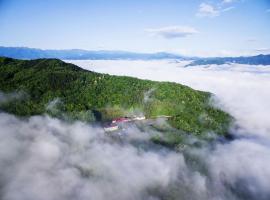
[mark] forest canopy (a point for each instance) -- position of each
(64, 90)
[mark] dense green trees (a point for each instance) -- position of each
(92, 96)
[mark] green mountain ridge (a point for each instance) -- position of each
(65, 90)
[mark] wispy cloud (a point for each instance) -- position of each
(172, 32)
(251, 40)
(228, 9)
(207, 10)
(228, 1)
(7, 97)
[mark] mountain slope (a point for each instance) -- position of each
(65, 90)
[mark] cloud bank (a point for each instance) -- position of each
(45, 158)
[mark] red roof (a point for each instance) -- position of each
(121, 119)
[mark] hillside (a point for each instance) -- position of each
(67, 91)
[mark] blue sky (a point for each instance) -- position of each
(190, 27)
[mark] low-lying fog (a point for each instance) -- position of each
(45, 158)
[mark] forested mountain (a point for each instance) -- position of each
(67, 91)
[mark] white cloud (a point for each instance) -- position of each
(172, 32)
(207, 10)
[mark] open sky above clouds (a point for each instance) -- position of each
(197, 27)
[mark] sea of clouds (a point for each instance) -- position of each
(46, 158)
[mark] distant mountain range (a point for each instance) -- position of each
(78, 54)
(251, 60)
